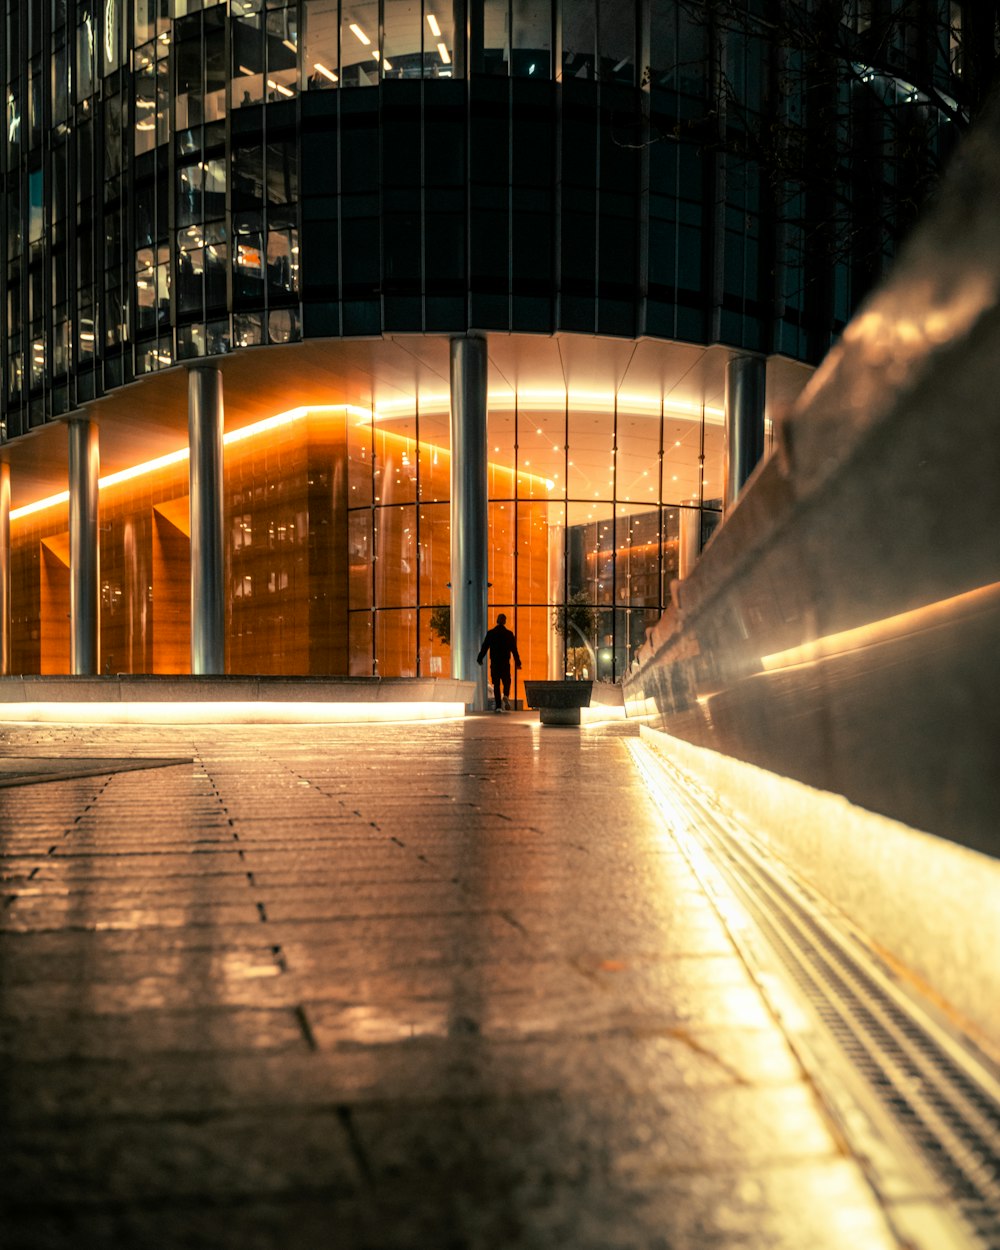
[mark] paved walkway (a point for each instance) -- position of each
(447, 987)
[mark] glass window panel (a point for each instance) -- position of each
(113, 135)
(248, 53)
(13, 223)
(637, 562)
(359, 461)
(500, 553)
(638, 457)
(12, 127)
(531, 55)
(282, 173)
(670, 529)
(145, 99)
(36, 206)
(617, 42)
(395, 557)
(663, 71)
(13, 49)
(403, 46)
(713, 484)
(215, 74)
(282, 261)
(435, 461)
(216, 262)
(190, 270)
(396, 462)
(145, 285)
(163, 285)
(692, 52)
(500, 434)
(111, 42)
(396, 643)
(321, 57)
(60, 83)
(162, 97)
(151, 16)
(248, 329)
(248, 177)
(284, 326)
(681, 452)
(86, 52)
(359, 44)
(60, 347)
(189, 105)
(590, 469)
(579, 36)
(541, 648)
(495, 53)
(435, 652)
(541, 554)
(282, 54)
(589, 552)
(435, 557)
(362, 660)
(541, 453)
(439, 39)
(359, 557)
(248, 261)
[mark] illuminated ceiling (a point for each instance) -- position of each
(148, 419)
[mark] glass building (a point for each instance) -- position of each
(310, 203)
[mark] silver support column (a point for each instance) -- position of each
(84, 548)
(744, 421)
(4, 569)
(468, 511)
(208, 607)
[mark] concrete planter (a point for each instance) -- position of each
(558, 702)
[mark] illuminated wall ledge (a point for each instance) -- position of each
(225, 712)
(249, 700)
(931, 905)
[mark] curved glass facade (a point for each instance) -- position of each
(338, 528)
(260, 180)
(183, 178)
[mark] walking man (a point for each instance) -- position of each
(501, 645)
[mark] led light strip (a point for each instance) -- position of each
(498, 400)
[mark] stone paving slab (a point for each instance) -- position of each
(449, 987)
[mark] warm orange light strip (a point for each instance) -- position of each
(183, 453)
(932, 615)
(596, 401)
(497, 400)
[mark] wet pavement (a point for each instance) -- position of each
(450, 987)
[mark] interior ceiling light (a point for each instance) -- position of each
(432, 22)
(327, 73)
(361, 415)
(443, 53)
(358, 33)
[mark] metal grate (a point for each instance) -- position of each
(942, 1098)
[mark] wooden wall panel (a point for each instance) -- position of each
(54, 606)
(171, 597)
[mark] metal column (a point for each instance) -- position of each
(84, 549)
(4, 569)
(208, 606)
(744, 421)
(468, 511)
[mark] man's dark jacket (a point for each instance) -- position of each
(501, 645)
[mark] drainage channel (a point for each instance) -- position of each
(916, 1104)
